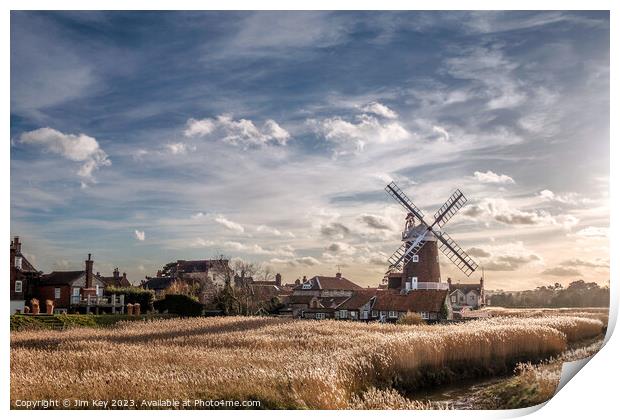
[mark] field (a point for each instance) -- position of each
(281, 363)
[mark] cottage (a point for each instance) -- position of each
(208, 274)
(116, 280)
(318, 297)
(358, 306)
(77, 291)
(23, 277)
(431, 305)
(463, 295)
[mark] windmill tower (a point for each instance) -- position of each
(417, 259)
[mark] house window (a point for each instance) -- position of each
(424, 315)
(353, 315)
(415, 258)
(98, 290)
(453, 298)
(18, 286)
(76, 291)
(57, 293)
(343, 314)
(392, 314)
(365, 315)
(18, 263)
(375, 314)
(320, 316)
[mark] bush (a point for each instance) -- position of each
(411, 318)
(135, 295)
(179, 304)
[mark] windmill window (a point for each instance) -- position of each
(415, 258)
(18, 286)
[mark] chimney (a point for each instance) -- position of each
(159, 273)
(338, 275)
(115, 274)
(89, 272)
(278, 279)
(449, 281)
(17, 245)
(304, 280)
(481, 283)
(297, 282)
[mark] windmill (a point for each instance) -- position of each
(418, 257)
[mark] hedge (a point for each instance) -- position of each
(135, 295)
(179, 304)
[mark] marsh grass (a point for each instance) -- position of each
(283, 363)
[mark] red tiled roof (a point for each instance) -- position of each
(332, 302)
(61, 277)
(465, 287)
(358, 299)
(330, 283)
(414, 301)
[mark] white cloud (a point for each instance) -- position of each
(199, 128)
(228, 224)
(351, 137)
(568, 198)
(561, 272)
(201, 243)
(295, 262)
(179, 148)
(340, 248)
(273, 231)
(593, 232)
(490, 177)
(75, 147)
(240, 132)
(506, 257)
(139, 235)
(379, 109)
(284, 251)
(442, 131)
(500, 211)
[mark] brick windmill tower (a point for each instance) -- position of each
(415, 265)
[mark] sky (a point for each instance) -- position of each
(148, 137)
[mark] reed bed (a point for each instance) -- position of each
(601, 314)
(282, 363)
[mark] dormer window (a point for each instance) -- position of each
(307, 286)
(18, 263)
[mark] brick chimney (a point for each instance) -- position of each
(338, 275)
(116, 274)
(89, 272)
(278, 279)
(17, 245)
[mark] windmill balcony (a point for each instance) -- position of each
(428, 285)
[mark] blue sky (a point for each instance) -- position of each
(147, 137)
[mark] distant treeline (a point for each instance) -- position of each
(578, 294)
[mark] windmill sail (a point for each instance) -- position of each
(456, 254)
(395, 192)
(449, 209)
(406, 251)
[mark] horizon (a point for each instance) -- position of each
(148, 137)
